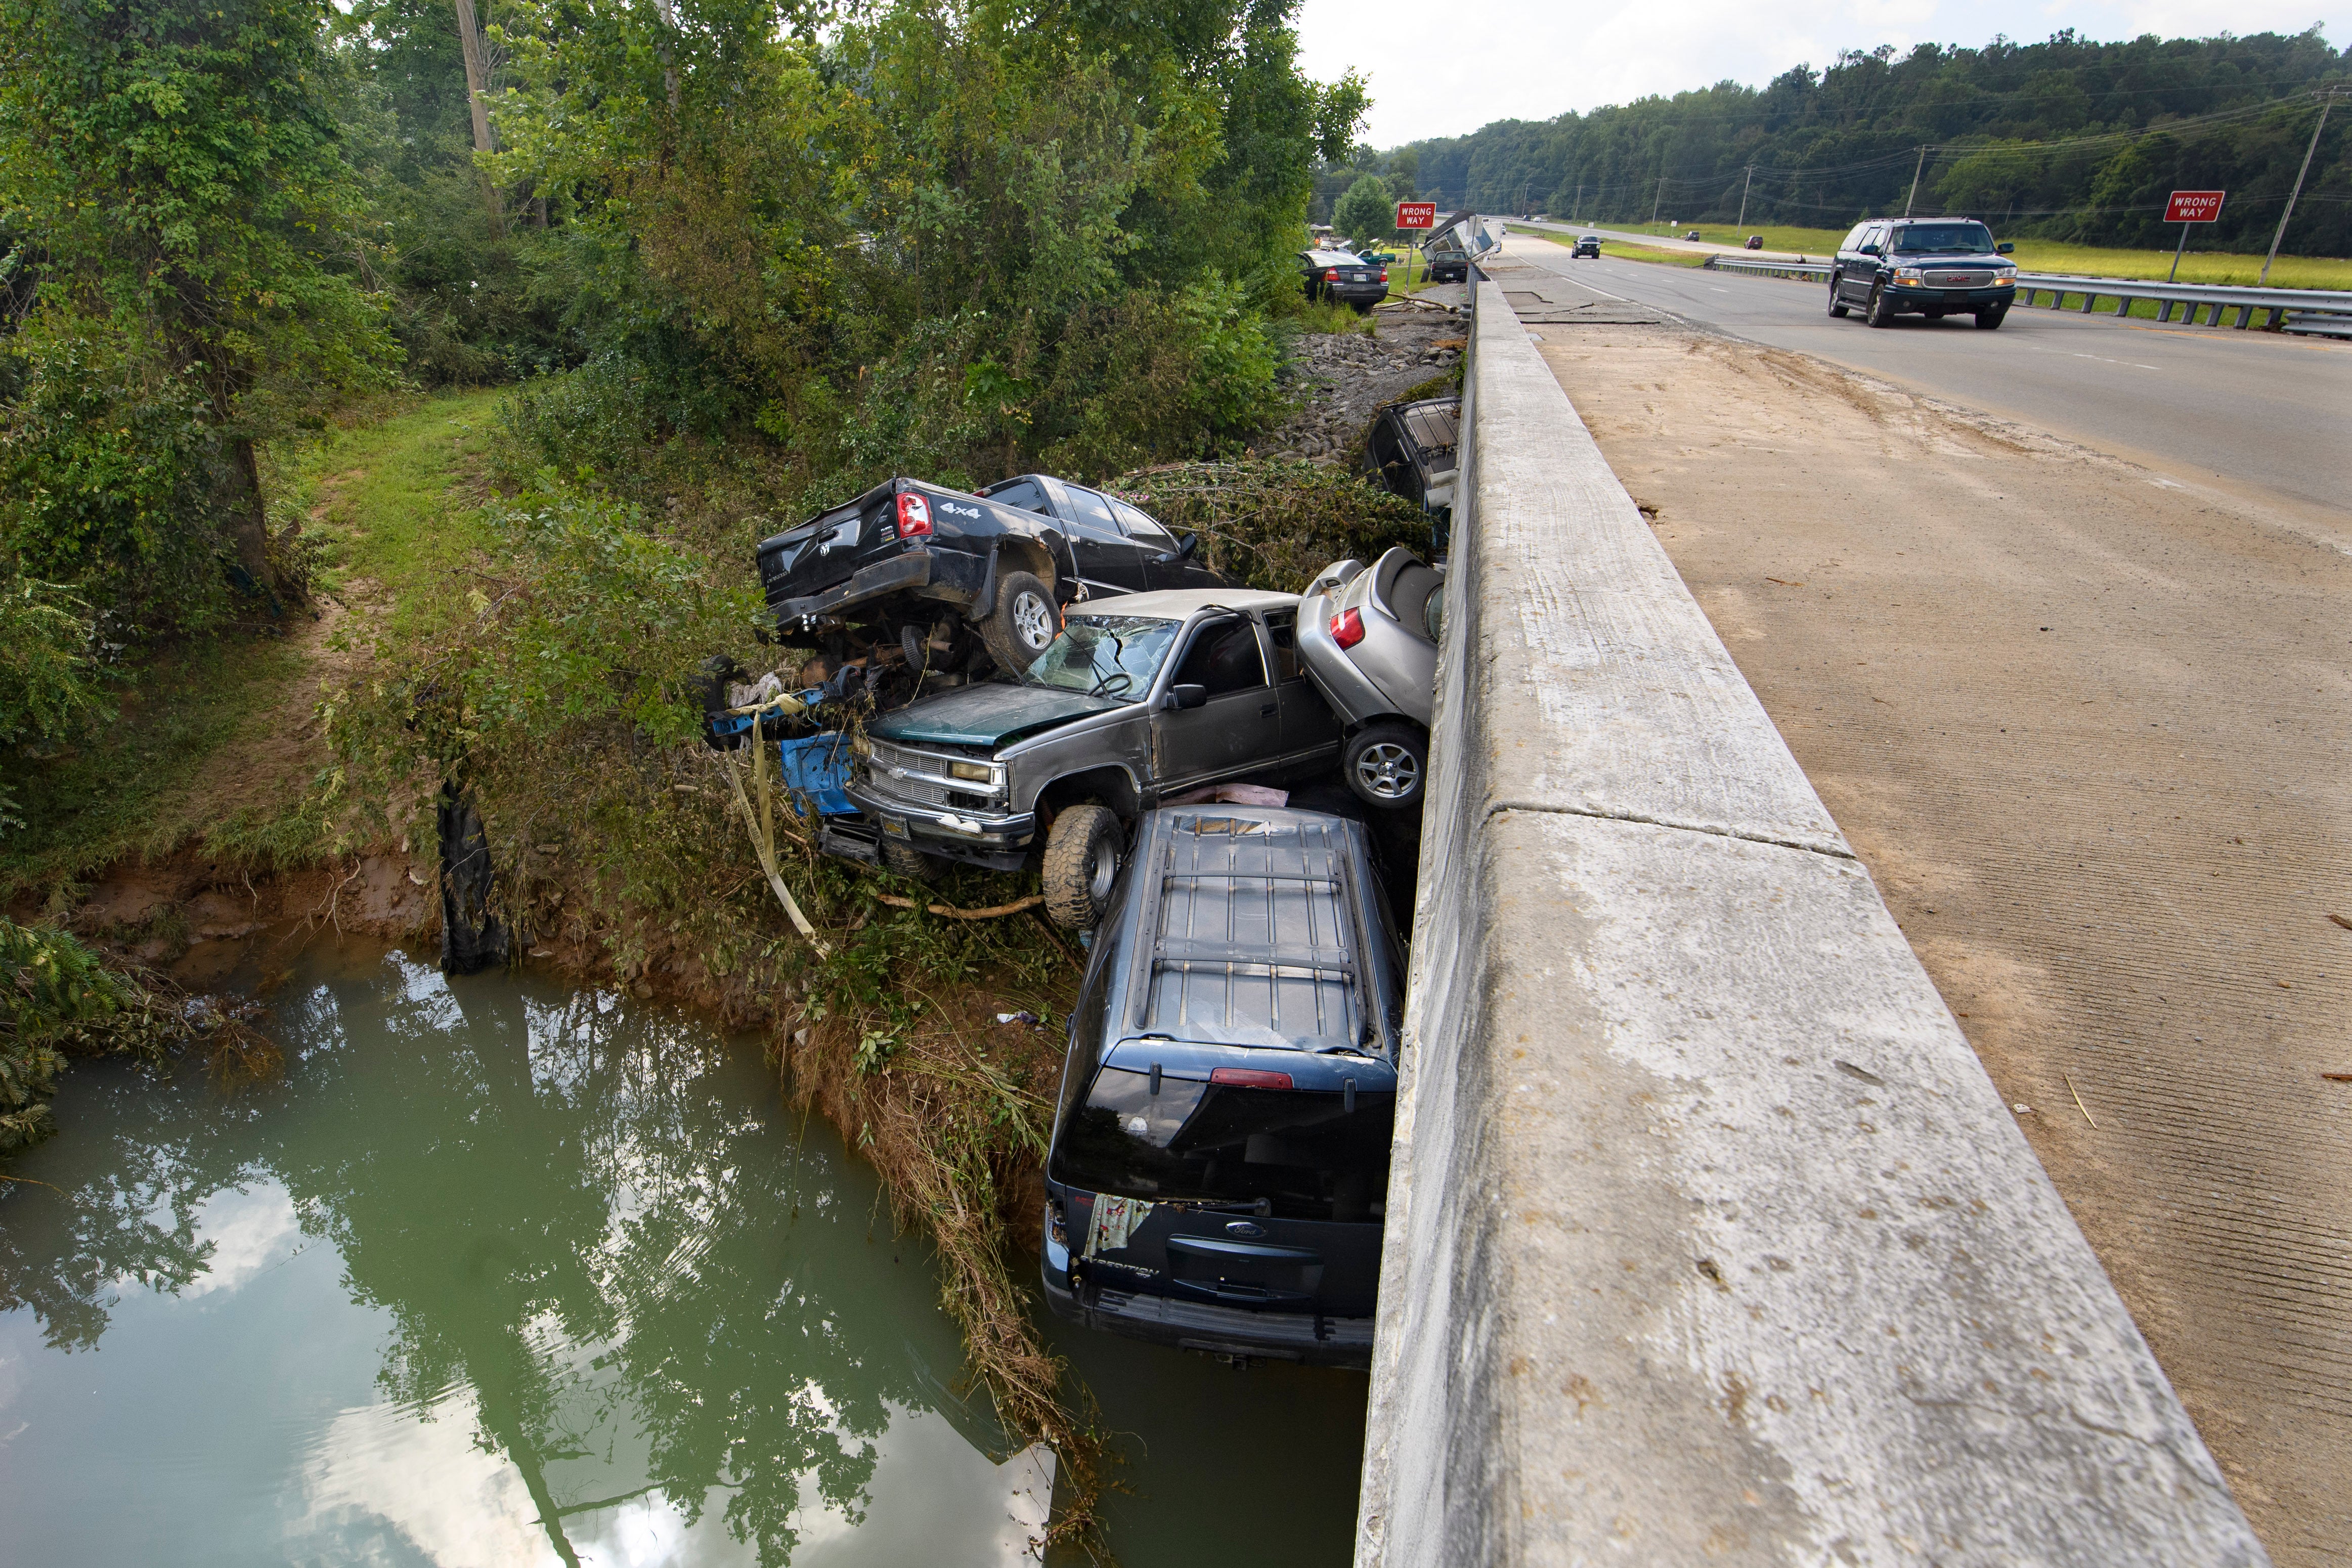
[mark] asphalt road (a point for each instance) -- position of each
(2250, 409)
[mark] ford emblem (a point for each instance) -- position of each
(1244, 1229)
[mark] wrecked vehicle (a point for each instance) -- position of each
(1410, 451)
(1455, 244)
(946, 576)
(1138, 699)
(1218, 1168)
(1343, 277)
(1369, 636)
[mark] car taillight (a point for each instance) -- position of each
(1348, 628)
(1330, 275)
(1250, 1078)
(1384, 274)
(914, 517)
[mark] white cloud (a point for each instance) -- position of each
(1443, 70)
(249, 1231)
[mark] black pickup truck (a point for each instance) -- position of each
(908, 562)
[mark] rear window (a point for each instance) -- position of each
(1302, 1151)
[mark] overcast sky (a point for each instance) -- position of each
(1440, 68)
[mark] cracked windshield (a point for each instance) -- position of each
(1104, 656)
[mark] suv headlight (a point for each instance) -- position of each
(1907, 275)
(978, 772)
(2004, 276)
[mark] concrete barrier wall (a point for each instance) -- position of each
(1709, 1239)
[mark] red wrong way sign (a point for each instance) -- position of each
(2194, 206)
(1423, 214)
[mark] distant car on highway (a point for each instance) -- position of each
(1344, 278)
(1692, 235)
(1933, 267)
(1755, 242)
(1588, 245)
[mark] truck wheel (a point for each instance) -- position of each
(1988, 319)
(1837, 306)
(1025, 621)
(1881, 313)
(1082, 851)
(1386, 765)
(906, 860)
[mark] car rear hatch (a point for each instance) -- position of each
(1241, 1129)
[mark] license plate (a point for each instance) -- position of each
(895, 827)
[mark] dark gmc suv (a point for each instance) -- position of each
(1220, 1162)
(1004, 561)
(1930, 267)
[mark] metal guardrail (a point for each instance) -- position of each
(2326, 312)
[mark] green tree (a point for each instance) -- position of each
(1367, 214)
(176, 175)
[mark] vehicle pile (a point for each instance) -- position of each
(1040, 676)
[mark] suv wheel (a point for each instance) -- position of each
(1987, 319)
(1837, 306)
(906, 860)
(1024, 622)
(1082, 852)
(1881, 313)
(1386, 765)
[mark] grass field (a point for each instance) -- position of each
(2052, 256)
(207, 731)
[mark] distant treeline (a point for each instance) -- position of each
(2067, 138)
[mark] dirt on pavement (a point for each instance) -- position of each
(2087, 726)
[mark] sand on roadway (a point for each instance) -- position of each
(2087, 726)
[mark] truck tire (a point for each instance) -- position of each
(1024, 620)
(1082, 851)
(1988, 321)
(1837, 306)
(1882, 314)
(1387, 765)
(906, 860)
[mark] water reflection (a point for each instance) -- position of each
(497, 1275)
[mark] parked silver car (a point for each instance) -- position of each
(1369, 636)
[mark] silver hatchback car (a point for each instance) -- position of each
(1369, 636)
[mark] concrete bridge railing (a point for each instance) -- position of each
(1709, 1239)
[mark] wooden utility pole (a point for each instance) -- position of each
(2325, 105)
(1743, 196)
(478, 93)
(1657, 201)
(1916, 171)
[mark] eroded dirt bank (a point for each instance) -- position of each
(2087, 726)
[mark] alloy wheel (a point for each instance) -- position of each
(1388, 771)
(1033, 619)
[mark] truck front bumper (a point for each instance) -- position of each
(1001, 843)
(1904, 298)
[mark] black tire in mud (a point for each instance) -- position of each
(1082, 854)
(1387, 765)
(906, 860)
(1022, 623)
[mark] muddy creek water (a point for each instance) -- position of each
(502, 1273)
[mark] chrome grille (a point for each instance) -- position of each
(887, 771)
(1958, 280)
